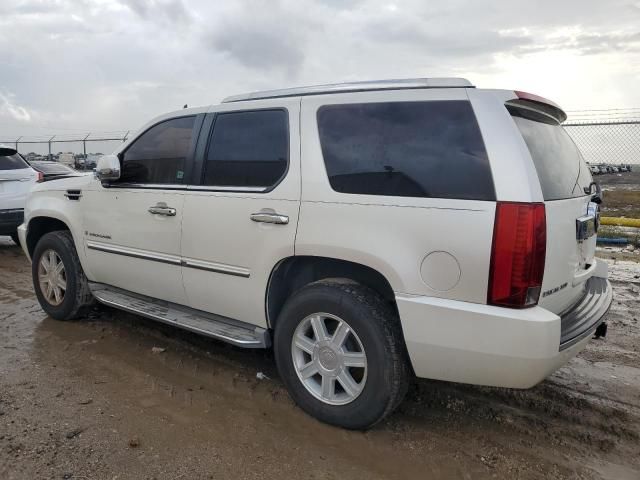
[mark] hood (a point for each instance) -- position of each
(64, 183)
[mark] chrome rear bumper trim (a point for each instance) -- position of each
(584, 317)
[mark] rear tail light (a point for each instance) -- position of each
(517, 255)
(40, 177)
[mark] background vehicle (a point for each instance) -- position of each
(52, 170)
(305, 219)
(16, 178)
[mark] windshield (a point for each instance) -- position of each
(12, 162)
(559, 164)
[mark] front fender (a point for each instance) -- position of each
(55, 205)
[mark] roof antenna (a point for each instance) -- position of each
(185, 106)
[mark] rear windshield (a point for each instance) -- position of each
(52, 168)
(561, 169)
(407, 149)
(12, 162)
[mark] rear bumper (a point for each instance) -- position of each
(583, 318)
(10, 219)
(486, 345)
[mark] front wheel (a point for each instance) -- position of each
(58, 279)
(340, 352)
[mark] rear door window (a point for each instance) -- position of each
(561, 169)
(248, 149)
(407, 149)
(12, 162)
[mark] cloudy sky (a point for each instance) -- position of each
(79, 65)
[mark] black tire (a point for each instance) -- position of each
(77, 298)
(378, 328)
(15, 238)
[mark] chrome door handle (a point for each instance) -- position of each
(161, 208)
(269, 216)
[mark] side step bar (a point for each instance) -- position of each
(221, 328)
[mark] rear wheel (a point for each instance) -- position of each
(58, 279)
(340, 352)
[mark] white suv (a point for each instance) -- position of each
(368, 232)
(16, 179)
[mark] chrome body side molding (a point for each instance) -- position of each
(216, 267)
(170, 259)
(134, 252)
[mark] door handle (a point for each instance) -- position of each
(269, 216)
(161, 208)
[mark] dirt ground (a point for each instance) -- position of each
(621, 193)
(94, 399)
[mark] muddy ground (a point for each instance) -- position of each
(93, 399)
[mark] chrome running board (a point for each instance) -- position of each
(221, 328)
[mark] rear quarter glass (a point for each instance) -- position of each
(430, 149)
(561, 169)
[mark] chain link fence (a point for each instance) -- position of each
(603, 136)
(84, 143)
(606, 136)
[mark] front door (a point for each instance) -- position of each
(241, 219)
(133, 226)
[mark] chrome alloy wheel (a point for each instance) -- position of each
(52, 277)
(329, 359)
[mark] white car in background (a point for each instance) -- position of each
(16, 179)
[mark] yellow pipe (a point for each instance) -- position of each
(620, 221)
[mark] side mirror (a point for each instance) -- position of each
(108, 168)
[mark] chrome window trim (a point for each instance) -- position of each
(171, 186)
(222, 188)
(195, 188)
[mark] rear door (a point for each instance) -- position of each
(240, 218)
(564, 179)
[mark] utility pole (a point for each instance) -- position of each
(17, 143)
(49, 142)
(84, 146)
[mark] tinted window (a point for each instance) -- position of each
(52, 168)
(248, 149)
(559, 164)
(407, 149)
(12, 162)
(159, 154)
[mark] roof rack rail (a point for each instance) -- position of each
(401, 84)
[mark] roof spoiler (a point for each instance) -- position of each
(7, 151)
(536, 102)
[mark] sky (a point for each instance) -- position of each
(72, 66)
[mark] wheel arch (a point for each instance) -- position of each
(41, 225)
(293, 273)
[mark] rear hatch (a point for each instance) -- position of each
(565, 180)
(16, 179)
